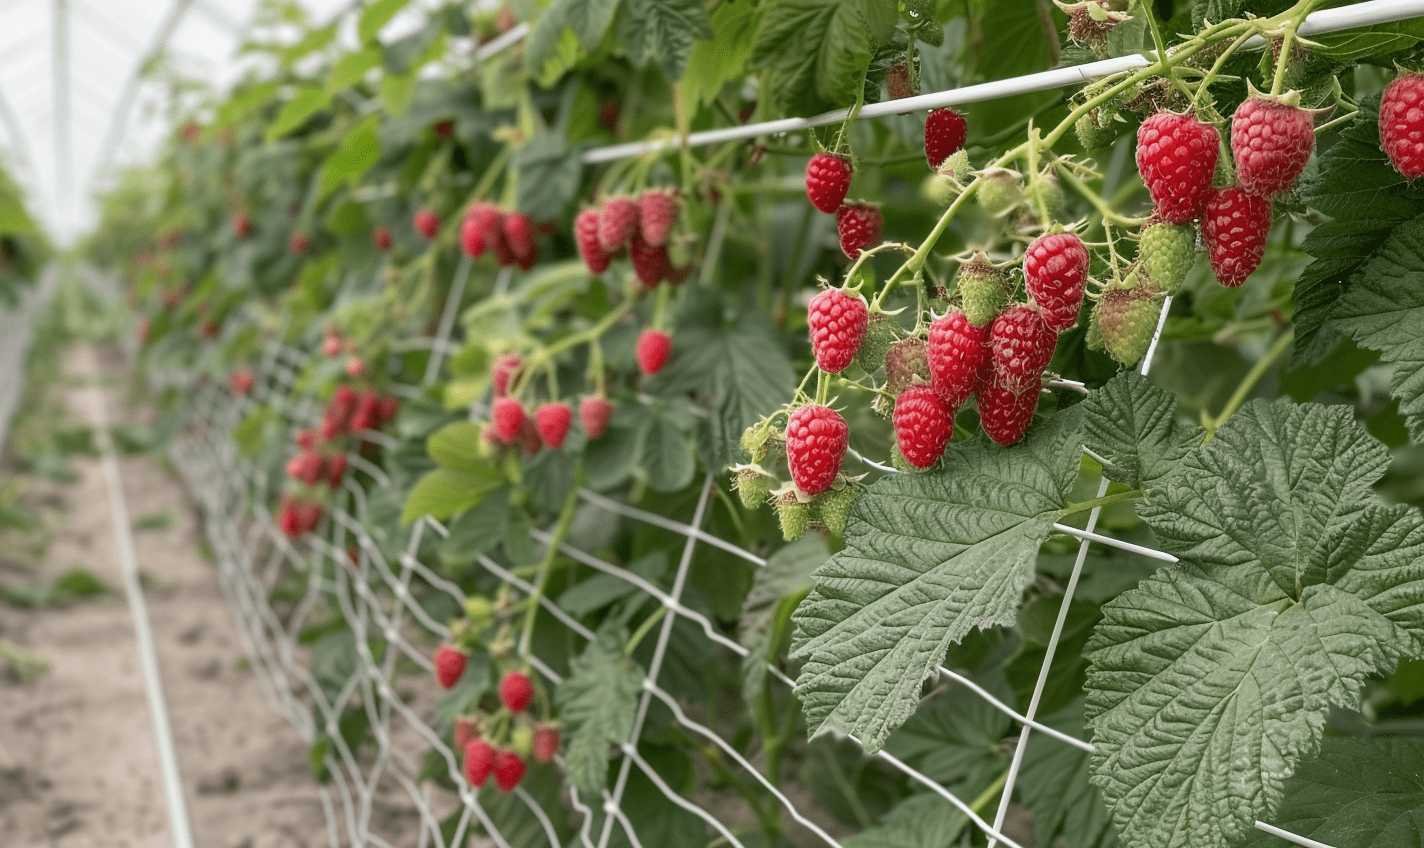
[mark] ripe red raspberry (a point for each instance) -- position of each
(546, 741)
(657, 212)
(343, 400)
(1020, 347)
(1004, 414)
(816, 442)
(508, 770)
(654, 348)
(306, 439)
(242, 226)
(479, 762)
(331, 346)
(449, 665)
(519, 234)
(594, 412)
(287, 519)
(945, 132)
(827, 181)
(924, 424)
(516, 690)
(650, 264)
(482, 230)
(508, 415)
(957, 351)
(501, 371)
(445, 130)
(333, 425)
(427, 223)
(467, 729)
(837, 323)
(586, 234)
(529, 437)
(552, 421)
(1401, 125)
(1271, 142)
(306, 467)
(335, 469)
(1234, 227)
(381, 238)
(388, 409)
(859, 226)
(242, 381)
(1176, 155)
(1055, 268)
(299, 243)
(617, 222)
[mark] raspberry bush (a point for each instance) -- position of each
(903, 352)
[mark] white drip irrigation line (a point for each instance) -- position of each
(147, 653)
(1318, 23)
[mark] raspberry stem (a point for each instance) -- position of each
(560, 532)
(1258, 370)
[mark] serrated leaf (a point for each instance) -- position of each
(664, 30)
(1209, 681)
(776, 590)
(1359, 793)
(954, 737)
(457, 446)
(816, 52)
(928, 558)
(723, 58)
(477, 531)
(1371, 43)
(445, 491)
(1384, 311)
(666, 454)
(597, 702)
(352, 68)
(549, 174)
(360, 149)
(589, 20)
(921, 821)
(1134, 425)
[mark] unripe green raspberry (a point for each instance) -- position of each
(939, 189)
(754, 440)
(833, 509)
(1093, 338)
(1126, 318)
(1000, 191)
(905, 363)
(1167, 252)
(521, 740)
(956, 166)
(793, 515)
(983, 290)
(752, 486)
(478, 610)
(879, 336)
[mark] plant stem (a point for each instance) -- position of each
(1092, 197)
(561, 531)
(643, 630)
(1282, 343)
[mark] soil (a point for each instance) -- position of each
(78, 760)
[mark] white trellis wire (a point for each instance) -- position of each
(345, 567)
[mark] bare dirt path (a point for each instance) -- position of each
(78, 758)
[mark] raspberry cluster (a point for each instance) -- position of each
(640, 228)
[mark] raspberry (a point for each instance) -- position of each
(467, 730)
(1004, 414)
(1126, 319)
(983, 290)
(388, 409)
(793, 516)
(859, 226)
(449, 665)
(546, 741)
(617, 222)
(897, 82)
(482, 228)
(335, 470)
(906, 363)
(519, 234)
(288, 521)
(1176, 155)
(552, 420)
(1401, 125)
(509, 418)
(945, 132)
(816, 442)
(957, 351)
(1271, 141)
(751, 485)
(500, 372)
(657, 212)
(1000, 190)
(1167, 252)
(594, 412)
(837, 323)
(827, 181)
(479, 762)
(299, 243)
(650, 264)
(924, 424)
(427, 223)
(1234, 227)
(242, 381)
(308, 515)
(242, 226)
(516, 691)
(1055, 269)
(879, 336)
(508, 770)
(306, 467)
(1020, 348)
(654, 348)
(528, 437)
(586, 234)
(833, 509)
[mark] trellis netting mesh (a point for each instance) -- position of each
(382, 588)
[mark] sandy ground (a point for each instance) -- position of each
(78, 762)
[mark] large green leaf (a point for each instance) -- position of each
(445, 492)
(1384, 311)
(921, 821)
(307, 101)
(816, 52)
(360, 149)
(664, 30)
(1134, 426)
(597, 702)
(723, 58)
(766, 617)
(1209, 681)
(928, 558)
(549, 174)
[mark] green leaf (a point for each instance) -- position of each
(457, 446)
(920, 821)
(1209, 681)
(376, 16)
(1371, 43)
(1054, 785)
(666, 452)
(954, 737)
(1384, 311)
(722, 59)
(445, 491)
(549, 174)
(928, 558)
(477, 531)
(597, 702)
(360, 149)
(589, 20)
(766, 617)
(664, 30)
(816, 52)
(1359, 793)
(307, 101)
(1134, 425)
(352, 68)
